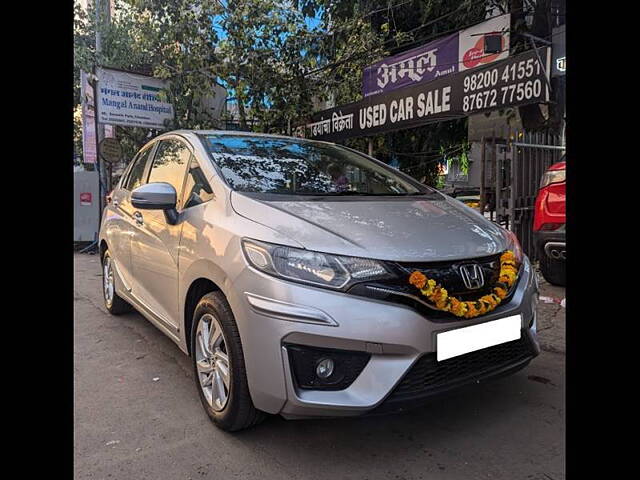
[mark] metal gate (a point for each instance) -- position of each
(512, 168)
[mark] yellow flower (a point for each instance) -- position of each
(428, 290)
(490, 300)
(500, 292)
(439, 296)
(508, 256)
(507, 277)
(471, 310)
(457, 307)
(441, 303)
(417, 279)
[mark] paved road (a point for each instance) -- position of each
(128, 426)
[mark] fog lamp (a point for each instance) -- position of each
(324, 368)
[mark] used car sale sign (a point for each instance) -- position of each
(130, 99)
(517, 80)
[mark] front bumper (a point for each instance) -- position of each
(272, 314)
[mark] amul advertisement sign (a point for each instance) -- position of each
(422, 64)
(131, 99)
(517, 80)
(451, 54)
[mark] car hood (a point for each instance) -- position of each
(433, 228)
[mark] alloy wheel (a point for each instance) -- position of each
(107, 281)
(212, 362)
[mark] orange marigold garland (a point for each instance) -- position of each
(439, 296)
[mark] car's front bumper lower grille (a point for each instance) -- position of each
(428, 376)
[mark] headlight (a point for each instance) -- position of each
(514, 245)
(314, 268)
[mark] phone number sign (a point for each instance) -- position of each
(518, 80)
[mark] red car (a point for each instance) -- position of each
(549, 224)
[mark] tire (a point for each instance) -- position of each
(553, 271)
(115, 304)
(233, 410)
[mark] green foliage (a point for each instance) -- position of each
(276, 67)
(457, 156)
(171, 40)
(264, 59)
(363, 32)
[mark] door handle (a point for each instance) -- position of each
(138, 218)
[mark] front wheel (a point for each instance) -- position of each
(218, 364)
(115, 304)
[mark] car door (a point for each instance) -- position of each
(154, 248)
(123, 221)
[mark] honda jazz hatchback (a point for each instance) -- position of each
(307, 279)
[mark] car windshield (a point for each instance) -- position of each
(289, 166)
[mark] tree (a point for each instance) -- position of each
(275, 65)
(266, 50)
(259, 49)
(360, 33)
(171, 40)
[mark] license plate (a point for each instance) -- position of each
(476, 337)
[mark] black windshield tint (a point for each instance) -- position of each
(274, 165)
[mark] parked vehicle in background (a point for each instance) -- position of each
(307, 279)
(549, 224)
(472, 201)
(468, 195)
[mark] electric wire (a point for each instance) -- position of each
(363, 54)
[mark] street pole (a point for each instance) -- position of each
(102, 14)
(533, 39)
(102, 189)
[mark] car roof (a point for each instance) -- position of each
(238, 133)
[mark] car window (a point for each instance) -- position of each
(127, 170)
(137, 170)
(288, 166)
(196, 188)
(170, 164)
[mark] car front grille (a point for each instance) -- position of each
(428, 376)
(447, 274)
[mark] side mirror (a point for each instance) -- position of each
(154, 196)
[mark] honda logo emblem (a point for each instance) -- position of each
(472, 276)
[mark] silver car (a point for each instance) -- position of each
(307, 279)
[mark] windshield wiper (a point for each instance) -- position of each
(399, 194)
(355, 193)
(347, 192)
